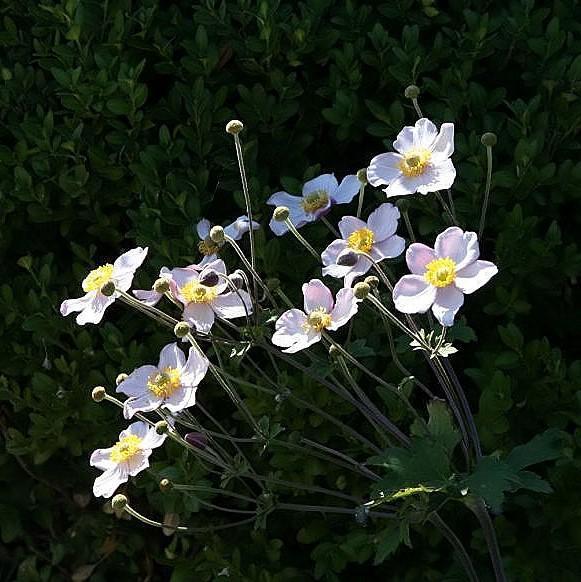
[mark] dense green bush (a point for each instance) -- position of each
(112, 122)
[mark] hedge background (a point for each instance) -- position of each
(112, 134)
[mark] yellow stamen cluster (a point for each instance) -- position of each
(319, 319)
(315, 201)
(440, 272)
(125, 449)
(194, 292)
(208, 247)
(361, 240)
(98, 277)
(164, 383)
(415, 162)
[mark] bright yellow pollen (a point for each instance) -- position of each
(361, 240)
(98, 277)
(126, 448)
(194, 292)
(315, 200)
(415, 162)
(319, 319)
(208, 247)
(440, 272)
(164, 383)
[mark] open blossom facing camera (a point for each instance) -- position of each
(442, 275)
(172, 383)
(422, 163)
(376, 237)
(317, 198)
(206, 294)
(128, 457)
(297, 330)
(93, 304)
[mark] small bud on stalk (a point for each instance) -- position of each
(108, 289)
(362, 176)
(121, 378)
(237, 279)
(211, 279)
(161, 427)
(98, 394)
(196, 439)
(412, 92)
(182, 329)
(234, 127)
(347, 259)
(165, 485)
(161, 285)
(372, 281)
(217, 234)
(334, 352)
(489, 139)
(281, 213)
(119, 502)
(361, 290)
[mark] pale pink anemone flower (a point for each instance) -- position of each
(442, 275)
(297, 330)
(376, 237)
(319, 194)
(422, 163)
(235, 231)
(172, 383)
(93, 304)
(128, 457)
(151, 297)
(205, 294)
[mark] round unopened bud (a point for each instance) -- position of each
(98, 394)
(347, 259)
(121, 378)
(234, 126)
(273, 284)
(403, 204)
(161, 285)
(210, 279)
(217, 234)
(161, 427)
(281, 213)
(334, 351)
(489, 139)
(165, 485)
(197, 439)
(108, 289)
(362, 175)
(412, 92)
(237, 279)
(119, 502)
(182, 329)
(361, 290)
(372, 281)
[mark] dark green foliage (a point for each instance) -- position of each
(112, 134)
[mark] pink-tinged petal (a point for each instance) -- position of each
(402, 186)
(203, 228)
(316, 295)
(101, 458)
(326, 182)
(447, 303)
(361, 267)
(200, 315)
(216, 266)
(443, 146)
(405, 140)
(125, 266)
(330, 254)
(138, 462)
(171, 356)
(388, 249)
(181, 399)
(345, 308)
(139, 429)
(149, 298)
(290, 327)
(475, 275)
(439, 175)
(334, 270)
(232, 305)
(73, 305)
(460, 246)
(384, 169)
(347, 190)
(425, 133)
(349, 224)
(311, 337)
(383, 221)
(181, 277)
(144, 403)
(418, 256)
(136, 383)
(107, 483)
(195, 368)
(412, 294)
(95, 309)
(240, 227)
(150, 438)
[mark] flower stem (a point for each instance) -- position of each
(302, 239)
(333, 230)
(486, 191)
(361, 197)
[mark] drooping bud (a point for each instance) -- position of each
(347, 259)
(98, 394)
(234, 126)
(361, 290)
(237, 279)
(362, 175)
(412, 92)
(108, 289)
(182, 329)
(121, 378)
(119, 502)
(210, 279)
(372, 281)
(161, 285)
(281, 213)
(489, 139)
(161, 427)
(165, 485)
(217, 234)
(196, 439)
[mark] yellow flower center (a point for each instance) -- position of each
(440, 272)
(208, 247)
(126, 448)
(415, 162)
(361, 240)
(315, 200)
(194, 292)
(164, 383)
(319, 319)
(98, 277)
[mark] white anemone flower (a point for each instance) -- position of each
(422, 163)
(92, 305)
(172, 383)
(297, 330)
(442, 275)
(205, 294)
(318, 195)
(376, 237)
(126, 458)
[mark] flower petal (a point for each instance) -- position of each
(361, 267)
(448, 302)
(125, 266)
(384, 169)
(439, 175)
(149, 298)
(402, 186)
(239, 227)
(232, 305)
(182, 398)
(349, 224)
(345, 308)
(150, 438)
(200, 315)
(330, 254)
(73, 305)
(326, 182)
(95, 309)
(107, 483)
(460, 246)
(136, 383)
(316, 294)
(101, 458)
(138, 462)
(425, 133)
(389, 248)
(383, 221)
(297, 214)
(203, 228)
(292, 332)
(405, 140)
(412, 294)
(171, 356)
(443, 146)
(145, 402)
(475, 275)
(347, 190)
(195, 368)
(418, 256)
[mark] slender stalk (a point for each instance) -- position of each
(445, 207)
(487, 526)
(361, 197)
(486, 191)
(451, 202)
(408, 224)
(302, 239)
(329, 509)
(333, 230)
(417, 108)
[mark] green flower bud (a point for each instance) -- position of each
(334, 352)
(108, 289)
(121, 378)
(217, 234)
(489, 139)
(182, 329)
(161, 427)
(361, 290)
(165, 485)
(281, 213)
(372, 281)
(412, 92)
(362, 175)
(161, 285)
(119, 502)
(234, 126)
(98, 394)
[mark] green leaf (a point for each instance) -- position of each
(387, 543)
(544, 447)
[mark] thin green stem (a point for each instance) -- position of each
(302, 239)
(486, 191)
(331, 228)
(361, 197)
(417, 108)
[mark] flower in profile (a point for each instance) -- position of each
(152, 296)
(209, 248)
(126, 458)
(422, 163)
(172, 383)
(297, 330)
(205, 294)
(443, 275)
(118, 276)
(376, 238)
(317, 198)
